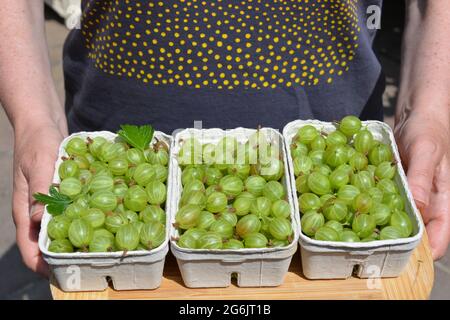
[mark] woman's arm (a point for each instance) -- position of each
(28, 95)
(423, 114)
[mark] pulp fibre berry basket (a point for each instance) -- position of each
(339, 260)
(81, 271)
(201, 268)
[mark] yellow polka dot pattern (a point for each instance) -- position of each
(223, 44)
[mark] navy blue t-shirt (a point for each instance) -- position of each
(226, 63)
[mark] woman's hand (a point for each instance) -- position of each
(424, 143)
(35, 152)
(28, 94)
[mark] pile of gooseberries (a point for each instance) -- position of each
(345, 182)
(117, 197)
(232, 196)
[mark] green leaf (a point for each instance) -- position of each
(55, 201)
(137, 136)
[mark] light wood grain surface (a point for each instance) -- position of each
(415, 282)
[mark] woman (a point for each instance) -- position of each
(227, 64)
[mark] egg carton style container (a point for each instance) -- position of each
(340, 260)
(202, 268)
(80, 271)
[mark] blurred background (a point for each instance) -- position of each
(17, 282)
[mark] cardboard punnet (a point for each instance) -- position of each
(215, 268)
(335, 260)
(81, 271)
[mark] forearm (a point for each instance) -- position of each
(27, 90)
(425, 74)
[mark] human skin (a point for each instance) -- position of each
(422, 127)
(28, 94)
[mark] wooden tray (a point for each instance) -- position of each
(415, 282)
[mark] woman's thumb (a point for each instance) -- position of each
(40, 179)
(423, 158)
